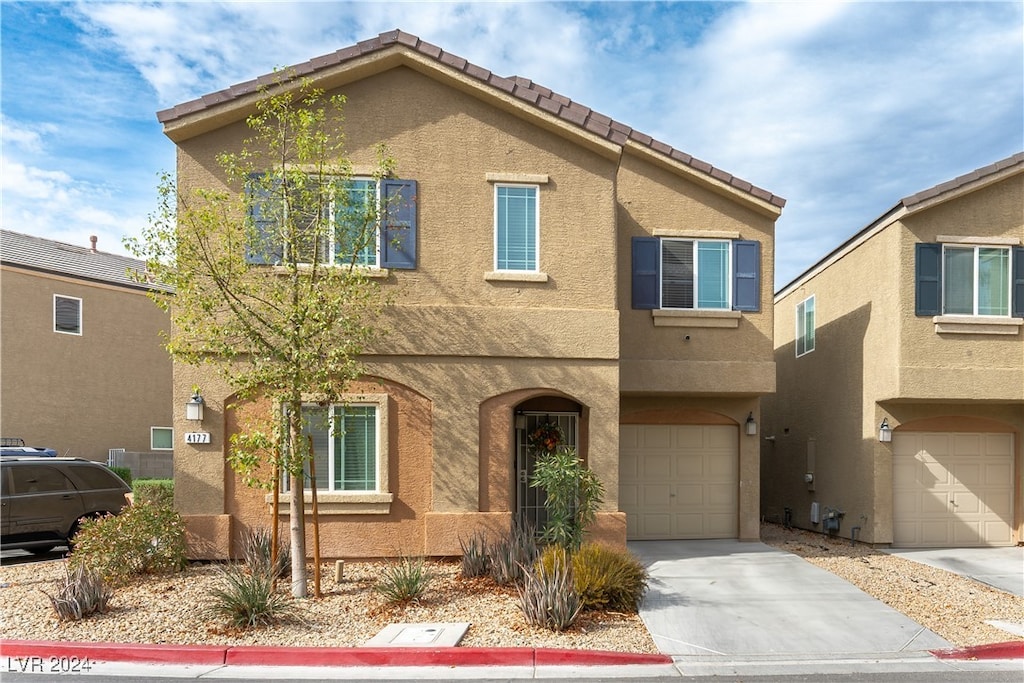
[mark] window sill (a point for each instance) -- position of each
(366, 271)
(340, 503)
(514, 276)
(696, 318)
(966, 324)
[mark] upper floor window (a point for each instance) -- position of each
(335, 221)
(805, 326)
(516, 227)
(67, 314)
(696, 274)
(976, 280)
(969, 279)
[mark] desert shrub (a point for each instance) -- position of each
(145, 538)
(606, 578)
(248, 597)
(123, 472)
(256, 547)
(158, 491)
(475, 559)
(404, 580)
(81, 593)
(510, 553)
(573, 495)
(547, 596)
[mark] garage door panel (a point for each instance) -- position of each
(695, 496)
(952, 489)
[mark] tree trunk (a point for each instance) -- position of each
(297, 524)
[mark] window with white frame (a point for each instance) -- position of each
(516, 227)
(161, 438)
(333, 221)
(975, 280)
(695, 274)
(805, 326)
(67, 314)
(346, 446)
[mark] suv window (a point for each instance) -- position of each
(39, 479)
(96, 477)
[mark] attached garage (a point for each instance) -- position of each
(952, 489)
(679, 481)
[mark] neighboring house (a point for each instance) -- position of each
(900, 362)
(563, 268)
(82, 365)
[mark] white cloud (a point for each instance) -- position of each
(27, 137)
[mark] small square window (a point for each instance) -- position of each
(161, 438)
(67, 314)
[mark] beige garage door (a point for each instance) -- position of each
(952, 489)
(679, 481)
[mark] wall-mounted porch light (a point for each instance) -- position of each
(751, 425)
(884, 431)
(194, 408)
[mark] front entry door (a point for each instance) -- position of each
(529, 500)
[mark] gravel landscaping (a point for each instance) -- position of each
(174, 609)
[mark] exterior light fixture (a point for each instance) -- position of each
(884, 431)
(751, 425)
(194, 408)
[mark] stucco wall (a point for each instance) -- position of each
(82, 395)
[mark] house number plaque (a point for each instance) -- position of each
(197, 437)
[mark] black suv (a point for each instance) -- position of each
(43, 499)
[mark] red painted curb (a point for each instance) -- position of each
(254, 655)
(378, 656)
(1013, 649)
(116, 652)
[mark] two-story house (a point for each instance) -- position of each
(563, 268)
(84, 370)
(900, 362)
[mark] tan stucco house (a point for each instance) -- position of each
(635, 313)
(900, 362)
(82, 364)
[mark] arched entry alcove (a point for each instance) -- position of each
(531, 415)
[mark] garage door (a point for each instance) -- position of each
(679, 481)
(952, 489)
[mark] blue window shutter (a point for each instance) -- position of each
(262, 247)
(646, 275)
(1017, 296)
(398, 237)
(746, 276)
(927, 279)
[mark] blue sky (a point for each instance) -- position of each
(841, 108)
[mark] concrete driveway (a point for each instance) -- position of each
(1001, 568)
(743, 599)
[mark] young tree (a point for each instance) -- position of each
(268, 279)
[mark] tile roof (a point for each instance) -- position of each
(523, 89)
(36, 253)
(962, 181)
